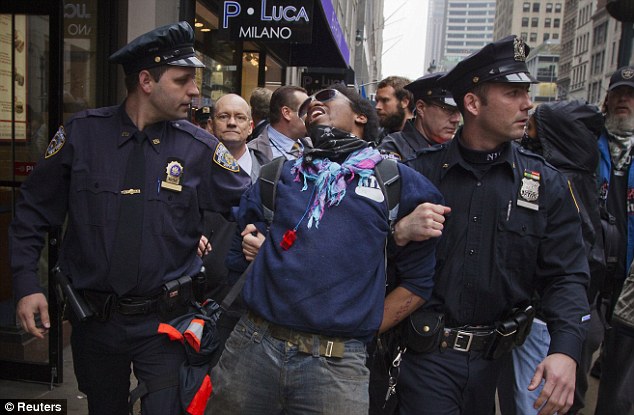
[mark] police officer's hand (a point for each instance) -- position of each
(204, 247)
(425, 222)
(252, 240)
(559, 371)
(26, 310)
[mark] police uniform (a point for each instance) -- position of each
(80, 180)
(403, 145)
(513, 229)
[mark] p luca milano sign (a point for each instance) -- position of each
(269, 20)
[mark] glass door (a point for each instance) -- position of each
(30, 109)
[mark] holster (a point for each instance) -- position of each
(423, 331)
(176, 297)
(510, 332)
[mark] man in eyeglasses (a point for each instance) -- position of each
(316, 291)
(285, 135)
(435, 121)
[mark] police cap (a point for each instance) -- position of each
(202, 114)
(171, 44)
(427, 87)
(502, 61)
(622, 76)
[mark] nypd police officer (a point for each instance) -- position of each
(513, 229)
(131, 182)
(435, 120)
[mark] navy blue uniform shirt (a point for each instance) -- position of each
(403, 145)
(332, 279)
(80, 179)
(495, 252)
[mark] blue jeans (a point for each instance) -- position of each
(525, 361)
(258, 374)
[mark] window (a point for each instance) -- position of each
(536, 7)
(549, 7)
(534, 21)
(524, 21)
(547, 22)
(526, 7)
(546, 36)
(533, 38)
(555, 35)
(557, 7)
(556, 22)
(524, 36)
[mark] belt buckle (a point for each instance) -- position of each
(463, 337)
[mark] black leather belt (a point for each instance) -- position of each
(467, 339)
(130, 306)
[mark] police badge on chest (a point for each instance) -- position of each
(528, 195)
(173, 175)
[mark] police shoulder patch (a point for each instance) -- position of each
(57, 142)
(224, 159)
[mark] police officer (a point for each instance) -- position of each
(436, 120)
(131, 182)
(202, 117)
(513, 229)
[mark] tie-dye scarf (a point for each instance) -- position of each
(331, 178)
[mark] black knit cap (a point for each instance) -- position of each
(502, 61)
(171, 44)
(622, 76)
(427, 87)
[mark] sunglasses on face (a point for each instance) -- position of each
(324, 95)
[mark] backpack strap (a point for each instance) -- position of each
(269, 176)
(387, 175)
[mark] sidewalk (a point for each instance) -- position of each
(75, 400)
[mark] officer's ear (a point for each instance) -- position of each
(145, 81)
(472, 103)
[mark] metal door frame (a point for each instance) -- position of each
(51, 372)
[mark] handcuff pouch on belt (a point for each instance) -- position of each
(510, 332)
(423, 331)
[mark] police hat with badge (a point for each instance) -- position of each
(171, 44)
(622, 76)
(427, 88)
(202, 114)
(503, 61)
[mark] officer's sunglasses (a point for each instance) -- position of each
(324, 95)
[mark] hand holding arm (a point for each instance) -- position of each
(425, 222)
(26, 310)
(559, 371)
(204, 246)
(252, 240)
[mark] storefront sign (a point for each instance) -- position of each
(23, 168)
(269, 20)
(80, 19)
(315, 79)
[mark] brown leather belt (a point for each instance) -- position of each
(305, 342)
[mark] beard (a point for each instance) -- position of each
(394, 121)
(619, 125)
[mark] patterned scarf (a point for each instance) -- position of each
(329, 177)
(620, 146)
